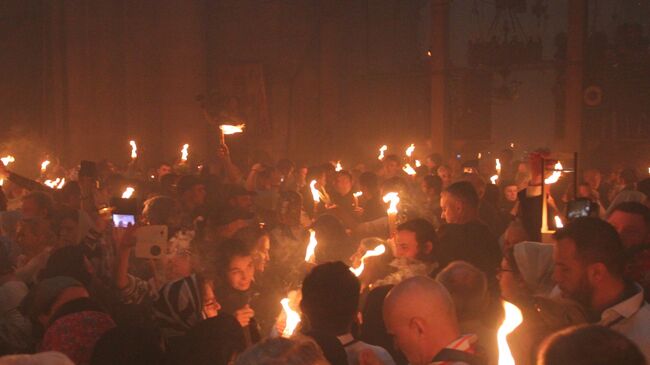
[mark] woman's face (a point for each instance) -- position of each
(241, 272)
(509, 281)
(262, 256)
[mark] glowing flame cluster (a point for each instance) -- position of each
(232, 129)
(128, 192)
(393, 200)
(311, 247)
(7, 160)
(44, 165)
(409, 170)
(513, 318)
(418, 163)
(498, 166)
(315, 194)
(55, 184)
(479, 156)
(382, 151)
(185, 152)
(379, 250)
(494, 179)
(134, 150)
(293, 318)
(338, 166)
(410, 149)
(555, 176)
(558, 222)
(357, 194)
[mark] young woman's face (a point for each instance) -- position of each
(262, 256)
(241, 272)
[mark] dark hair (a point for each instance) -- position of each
(226, 251)
(589, 345)
(644, 187)
(424, 232)
(465, 192)
(250, 236)
(285, 164)
(67, 261)
(330, 297)
(128, 345)
(433, 182)
(276, 351)
(596, 241)
(334, 244)
(633, 208)
(369, 180)
(628, 176)
(43, 200)
(344, 173)
(214, 341)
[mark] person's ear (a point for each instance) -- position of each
(428, 247)
(597, 272)
(417, 326)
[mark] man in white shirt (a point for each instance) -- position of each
(330, 298)
(420, 314)
(589, 266)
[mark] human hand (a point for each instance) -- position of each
(244, 315)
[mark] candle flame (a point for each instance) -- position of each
(293, 318)
(338, 166)
(494, 179)
(409, 170)
(498, 166)
(513, 318)
(52, 183)
(358, 194)
(512, 144)
(134, 150)
(311, 247)
(479, 156)
(184, 152)
(232, 129)
(418, 163)
(393, 200)
(410, 149)
(44, 165)
(379, 250)
(128, 192)
(315, 194)
(60, 185)
(555, 176)
(382, 149)
(7, 160)
(558, 222)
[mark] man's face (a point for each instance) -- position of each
(242, 202)
(392, 168)
(630, 227)
(451, 208)
(569, 273)
(241, 272)
(31, 209)
(197, 194)
(510, 193)
(68, 230)
(342, 184)
(406, 245)
(405, 337)
(164, 170)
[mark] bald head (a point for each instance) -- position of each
(420, 314)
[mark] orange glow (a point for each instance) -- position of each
(7, 160)
(555, 176)
(293, 318)
(44, 165)
(379, 250)
(409, 170)
(558, 222)
(393, 200)
(315, 194)
(494, 179)
(382, 150)
(184, 152)
(338, 166)
(513, 318)
(410, 149)
(498, 166)
(357, 194)
(128, 192)
(134, 150)
(311, 247)
(232, 129)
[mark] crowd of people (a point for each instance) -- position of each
(307, 264)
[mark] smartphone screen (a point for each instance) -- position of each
(123, 220)
(578, 208)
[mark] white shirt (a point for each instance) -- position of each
(631, 318)
(353, 349)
